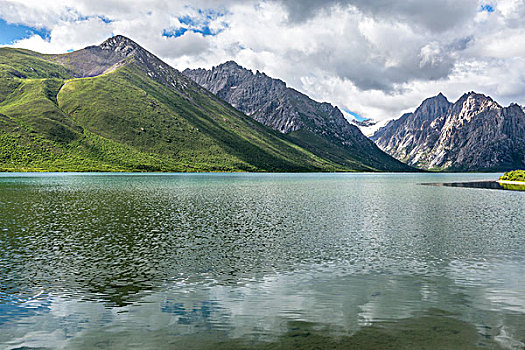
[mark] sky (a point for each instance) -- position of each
(372, 58)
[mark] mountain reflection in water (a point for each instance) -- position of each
(259, 261)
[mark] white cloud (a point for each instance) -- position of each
(377, 58)
(189, 44)
(69, 36)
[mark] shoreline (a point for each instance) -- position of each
(508, 182)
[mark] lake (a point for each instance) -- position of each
(260, 261)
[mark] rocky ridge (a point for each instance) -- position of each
(475, 133)
(271, 102)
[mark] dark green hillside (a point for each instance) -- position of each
(327, 148)
(123, 120)
(199, 134)
(116, 107)
(18, 64)
(24, 64)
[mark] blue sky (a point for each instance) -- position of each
(9, 32)
(486, 7)
(357, 116)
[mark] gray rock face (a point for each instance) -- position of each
(286, 110)
(474, 133)
(267, 100)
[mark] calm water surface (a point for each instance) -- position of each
(262, 261)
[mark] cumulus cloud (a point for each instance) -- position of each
(378, 58)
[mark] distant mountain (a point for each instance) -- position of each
(472, 134)
(319, 127)
(118, 107)
(364, 123)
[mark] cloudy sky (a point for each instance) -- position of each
(375, 58)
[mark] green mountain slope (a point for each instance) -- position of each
(116, 107)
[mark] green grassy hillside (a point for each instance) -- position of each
(135, 114)
(325, 148)
(124, 121)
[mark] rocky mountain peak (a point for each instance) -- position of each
(229, 67)
(475, 97)
(117, 52)
(438, 100)
(243, 89)
(234, 70)
(432, 107)
(230, 64)
(474, 103)
(121, 45)
(474, 133)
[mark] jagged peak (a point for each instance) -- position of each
(121, 44)
(438, 98)
(476, 97)
(515, 107)
(441, 96)
(433, 106)
(118, 39)
(230, 63)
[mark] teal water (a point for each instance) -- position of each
(263, 261)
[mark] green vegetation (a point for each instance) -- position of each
(123, 120)
(25, 64)
(513, 186)
(516, 175)
(194, 132)
(371, 160)
(17, 64)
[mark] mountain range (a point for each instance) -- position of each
(118, 107)
(472, 134)
(318, 127)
